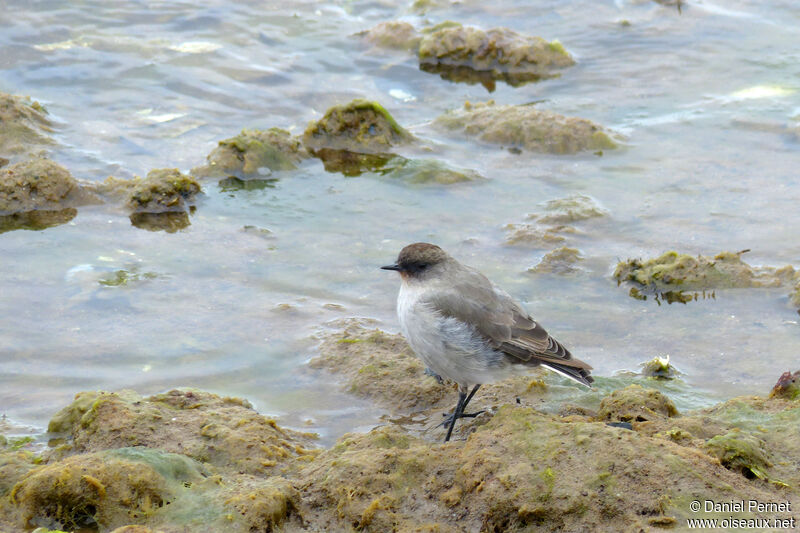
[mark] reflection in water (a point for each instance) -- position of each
(36, 220)
(232, 183)
(169, 222)
(671, 297)
(351, 163)
(487, 78)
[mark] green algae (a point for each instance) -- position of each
(570, 209)
(682, 271)
(427, 172)
(659, 368)
(360, 126)
(252, 154)
(126, 277)
(526, 127)
(741, 451)
(535, 236)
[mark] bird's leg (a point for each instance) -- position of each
(458, 412)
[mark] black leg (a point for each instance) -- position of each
(459, 408)
(471, 394)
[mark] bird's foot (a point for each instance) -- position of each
(449, 417)
(434, 375)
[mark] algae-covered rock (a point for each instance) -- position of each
(523, 470)
(360, 126)
(225, 432)
(741, 452)
(38, 184)
(253, 153)
(379, 366)
(265, 505)
(525, 126)
(794, 296)
(105, 489)
(13, 465)
(635, 404)
(393, 34)
(427, 172)
(570, 209)
(469, 54)
(788, 386)
(559, 261)
(688, 273)
(24, 125)
(659, 368)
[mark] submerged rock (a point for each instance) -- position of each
(23, 125)
(427, 172)
(559, 261)
(253, 153)
(224, 432)
(535, 236)
(361, 126)
(674, 271)
(468, 54)
(570, 209)
(526, 127)
(659, 368)
(393, 34)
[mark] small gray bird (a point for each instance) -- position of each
(466, 329)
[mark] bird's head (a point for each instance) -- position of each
(419, 261)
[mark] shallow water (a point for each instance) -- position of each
(707, 98)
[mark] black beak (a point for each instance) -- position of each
(391, 267)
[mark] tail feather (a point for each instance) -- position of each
(576, 374)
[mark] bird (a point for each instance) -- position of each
(466, 329)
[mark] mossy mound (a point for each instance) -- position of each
(522, 470)
(395, 35)
(253, 154)
(13, 465)
(659, 368)
(102, 489)
(24, 125)
(742, 452)
(469, 54)
(38, 184)
(360, 126)
(562, 260)
(674, 271)
(379, 366)
(427, 172)
(635, 404)
(224, 432)
(526, 127)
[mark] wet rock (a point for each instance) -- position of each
(427, 172)
(636, 404)
(103, 489)
(359, 127)
(741, 452)
(224, 432)
(468, 54)
(160, 202)
(535, 236)
(38, 184)
(526, 127)
(570, 209)
(788, 386)
(379, 366)
(24, 126)
(394, 34)
(559, 261)
(659, 368)
(253, 154)
(674, 271)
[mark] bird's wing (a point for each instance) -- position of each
(473, 299)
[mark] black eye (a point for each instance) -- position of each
(422, 266)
